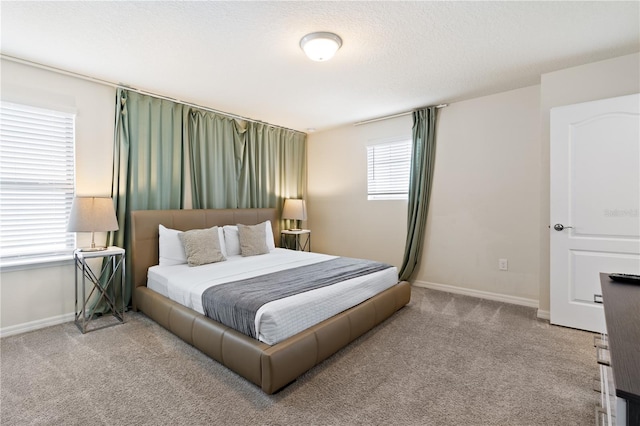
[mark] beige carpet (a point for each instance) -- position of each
(442, 360)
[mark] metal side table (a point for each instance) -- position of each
(101, 284)
(296, 244)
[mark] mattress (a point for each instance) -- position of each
(280, 319)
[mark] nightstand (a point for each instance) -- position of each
(102, 285)
(290, 239)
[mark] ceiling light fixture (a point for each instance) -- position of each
(320, 46)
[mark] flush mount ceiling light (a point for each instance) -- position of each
(320, 46)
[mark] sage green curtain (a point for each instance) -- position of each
(234, 163)
(215, 156)
(274, 167)
(240, 164)
(421, 178)
(148, 162)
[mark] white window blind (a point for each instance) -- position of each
(388, 170)
(36, 183)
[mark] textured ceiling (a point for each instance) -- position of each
(244, 58)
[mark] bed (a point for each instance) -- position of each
(269, 366)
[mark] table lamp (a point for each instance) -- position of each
(92, 214)
(294, 210)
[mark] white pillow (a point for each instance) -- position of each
(232, 239)
(269, 231)
(171, 249)
(223, 246)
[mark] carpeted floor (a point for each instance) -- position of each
(444, 359)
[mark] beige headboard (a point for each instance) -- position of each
(144, 230)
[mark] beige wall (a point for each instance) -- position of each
(43, 295)
(599, 80)
(341, 219)
(484, 203)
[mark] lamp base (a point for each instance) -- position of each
(90, 249)
(93, 245)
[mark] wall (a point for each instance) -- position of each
(599, 80)
(44, 295)
(342, 220)
(484, 203)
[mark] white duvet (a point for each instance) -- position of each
(280, 319)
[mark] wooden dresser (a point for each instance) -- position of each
(619, 354)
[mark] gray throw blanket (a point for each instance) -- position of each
(235, 304)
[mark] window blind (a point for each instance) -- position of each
(36, 183)
(388, 170)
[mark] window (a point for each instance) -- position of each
(388, 170)
(36, 183)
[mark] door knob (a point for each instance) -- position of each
(560, 227)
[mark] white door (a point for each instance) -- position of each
(595, 204)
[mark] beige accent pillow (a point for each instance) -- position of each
(202, 246)
(253, 240)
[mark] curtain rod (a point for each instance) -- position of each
(387, 117)
(133, 89)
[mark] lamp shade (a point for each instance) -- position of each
(320, 46)
(294, 209)
(92, 214)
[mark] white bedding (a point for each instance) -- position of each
(280, 319)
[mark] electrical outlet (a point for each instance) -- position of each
(503, 264)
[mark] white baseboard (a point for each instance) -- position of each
(532, 303)
(545, 315)
(35, 325)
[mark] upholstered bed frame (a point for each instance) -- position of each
(270, 367)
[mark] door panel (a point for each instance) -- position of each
(585, 264)
(595, 194)
(606, 175)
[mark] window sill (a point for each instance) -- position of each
(386, 198)
(34, 263)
